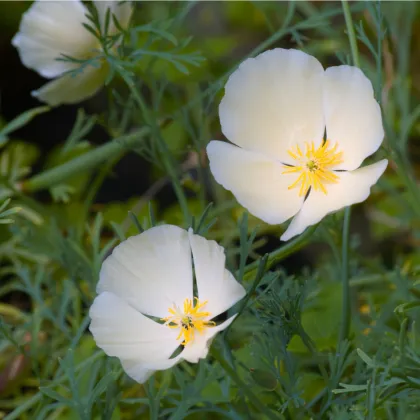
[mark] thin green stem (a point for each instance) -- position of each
(167, 158)
(309, 344)
(258, 277)
(283, 252)
(179, 191)
(258, 405)
(379, 54)
(404, 171)
(93, 189)
(372, 279)
(350, 33)
(402, 340)
(346, 304)
(84, 162)
(380, 402)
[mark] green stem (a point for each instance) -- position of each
(173, 174)
(379, 55)
(380, 402)
(307, 341)
(258, 405)
(87, 161)
(404, 171)
(350, 33)
(167, 159)
(93, 189)
(258, 277)
(283, 252)
(346, 304)
(372, 279)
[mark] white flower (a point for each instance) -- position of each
(151, 275)
(277, 108)
(52, 28)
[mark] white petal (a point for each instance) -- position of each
(352, 116)
(137, 370)
(353, 187)
(199, 348)
(152, 271)
(71, 89)
(122, 331)
(215, 284)
(49, 29)
(193, 352)
(273, 102)
(141, 371)
(122, 12)
(256, 181)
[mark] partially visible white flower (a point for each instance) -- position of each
(277, 107)
(50, 29)
(151, 275)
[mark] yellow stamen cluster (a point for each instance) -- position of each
(189, 320)
(315, 167)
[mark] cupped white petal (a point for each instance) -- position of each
(273, 102)
(151, 271)
(50, 29)
(352, 115)
(199, 348)
(257, 182)
(73, 88)
(136, 370)
(141, 371)
(122, 331)
(353, 187)
(215, 284)
(193, 352)
(121, 10)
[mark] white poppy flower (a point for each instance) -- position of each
(151, 275)
(50, 29)
(276, 109)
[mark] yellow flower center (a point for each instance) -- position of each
(315, 167)
(190, 320)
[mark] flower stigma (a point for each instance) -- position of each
(315, 166)
(190, 320)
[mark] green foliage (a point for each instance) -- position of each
(285, 356)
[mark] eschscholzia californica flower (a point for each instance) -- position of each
(51, 29)
(299, 136)
(151, 275)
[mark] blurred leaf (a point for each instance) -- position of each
(264, 379)
(19, 122)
